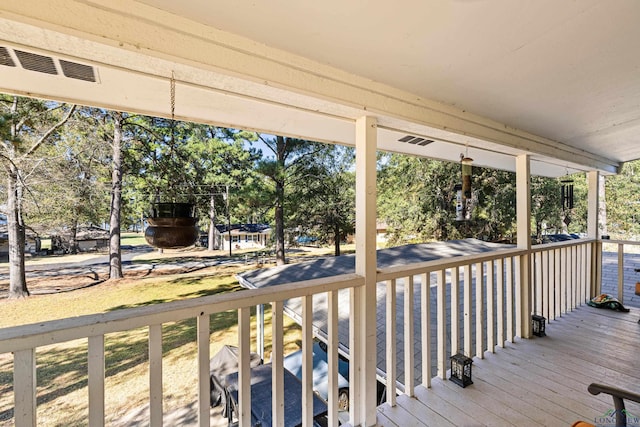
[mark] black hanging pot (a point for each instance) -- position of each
(172, 226)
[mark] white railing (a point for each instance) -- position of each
(621, 245)
(561, 276)
(473, 302)
(486, 314)
(24, 340)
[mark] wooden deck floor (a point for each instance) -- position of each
(536, 382)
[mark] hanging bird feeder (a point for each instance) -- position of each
(463, 197)
(172, 225)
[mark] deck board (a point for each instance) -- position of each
(539, 381)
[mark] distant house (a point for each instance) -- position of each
(88, 238)
(243, 236)
(31, 244)
(381, 232)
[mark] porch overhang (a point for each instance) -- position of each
(227, 79)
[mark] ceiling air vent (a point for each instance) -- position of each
(415, 140)
(35, 62)
(5, 58)
(77, 71)
(47, 65)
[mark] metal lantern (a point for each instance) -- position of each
(538, 323)
(461, 370)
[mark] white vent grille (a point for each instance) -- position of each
(5, 58)
(74, 70)
(47, 65)
(415, 140)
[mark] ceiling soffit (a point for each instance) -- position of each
(148, 44)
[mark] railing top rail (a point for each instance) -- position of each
(57, 331)
(444, 263)
(398, 271)
(621, 242)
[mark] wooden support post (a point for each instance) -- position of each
(523, 267)
(362, 325)
(593, 232)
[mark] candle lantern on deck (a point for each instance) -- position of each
(461, 370)
(463, 200)
(538, 325)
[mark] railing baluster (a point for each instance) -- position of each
(442, 323)
(480, 314)
(591, 279)
(491, 337)
(155, 375)
(546, 295)
(307, 360)
(391, 342)
(500, 309)
(455, 309)
(564, 291)
(468, 280)
(95, 368)
(244, 367)
(409, 353)
(557, 270)
(204, 387)
(585, 273)
(425, 327)
(509, 291)
(332, 357)
(578, 265)
(24, 387)
(581, 265)
(572, 282)
(538, 283)
(277, 360)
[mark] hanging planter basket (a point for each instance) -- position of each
(172, 226)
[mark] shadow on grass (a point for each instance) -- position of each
(214, 290)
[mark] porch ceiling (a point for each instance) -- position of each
(558, 80)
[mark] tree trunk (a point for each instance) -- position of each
(279, 211)
(212, 220)
(73, 240)
(115, 253)
(16, 231)
(336, 238)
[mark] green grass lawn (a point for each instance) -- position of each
(132, 239)
(62, 368)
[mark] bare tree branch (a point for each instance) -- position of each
(48, 133)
